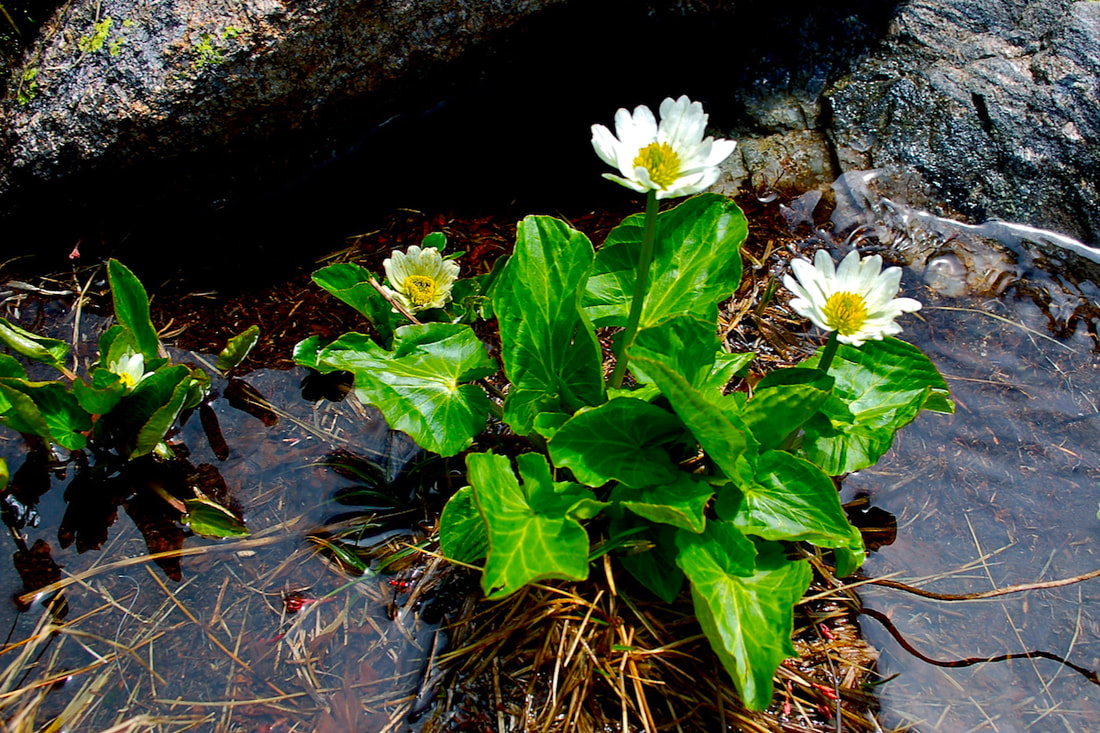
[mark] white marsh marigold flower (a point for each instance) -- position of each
(856, 300)
(130, 368)
(672, 158)
(420, 278)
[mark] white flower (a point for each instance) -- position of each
(130, 368)
(672, 158)
(856, 300)
(420, 278)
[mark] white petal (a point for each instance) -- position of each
(605, 145)
(626, 182)
(720, 150)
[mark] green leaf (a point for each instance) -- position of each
(4, 476)
(132, 307)
(696, 263)
(10, 367)
(851, 556)
(686, 343)
(680, 503)
(746, 612)
(775, 413)
(532, 537)
(651, 557)
(64, 418)
(237, 349)
(152, 432)
(130, 416)
(790, 499)
(39, 348)
(351, 284)
(20, 413)
(101, 396)
(212, 520)
(722, 434)
(550, 352)
(306, 353)
(462, 532)
(423, 386)
(622, 440)
(726, 367)
(881, 386)
(438, 240)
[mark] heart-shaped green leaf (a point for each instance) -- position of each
(621, 440)
(532, 534)
(696, 263)
(883, 386)
(422, 387)
(789, 499)
(462, 533)
(720, 432)
(680, 502)
(550, 352)
(744, 607)
(65, 421)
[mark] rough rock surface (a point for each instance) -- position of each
(996, 104)
(121, 79)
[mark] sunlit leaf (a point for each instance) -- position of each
(532, 535)
(237, 349)
(721, 433)
(549, 349)
(462, 532)
(438, 240)
(775, 413)
(132, 307)
(153, 431)
(209, 519)
(744, 603)
(789, 499)
(881, 386)
(39, 348)
(696, 263)
(621, 440)
(10, 367)
(18, 412)
(680, 502)
(423, 387)
(687, 343)
(65, 420)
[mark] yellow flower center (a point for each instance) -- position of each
(661, 161)
(845, 312)
(421, 289)
(127, 380)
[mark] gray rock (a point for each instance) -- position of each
(127, 79)
(993, 103)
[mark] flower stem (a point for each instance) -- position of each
(829, 352)
(641, 285)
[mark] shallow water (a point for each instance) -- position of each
(1003, 493)
(260, 634)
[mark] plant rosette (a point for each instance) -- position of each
(718, 484)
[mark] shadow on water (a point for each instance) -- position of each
(1002, 493)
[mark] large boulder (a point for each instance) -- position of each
(994, 104)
